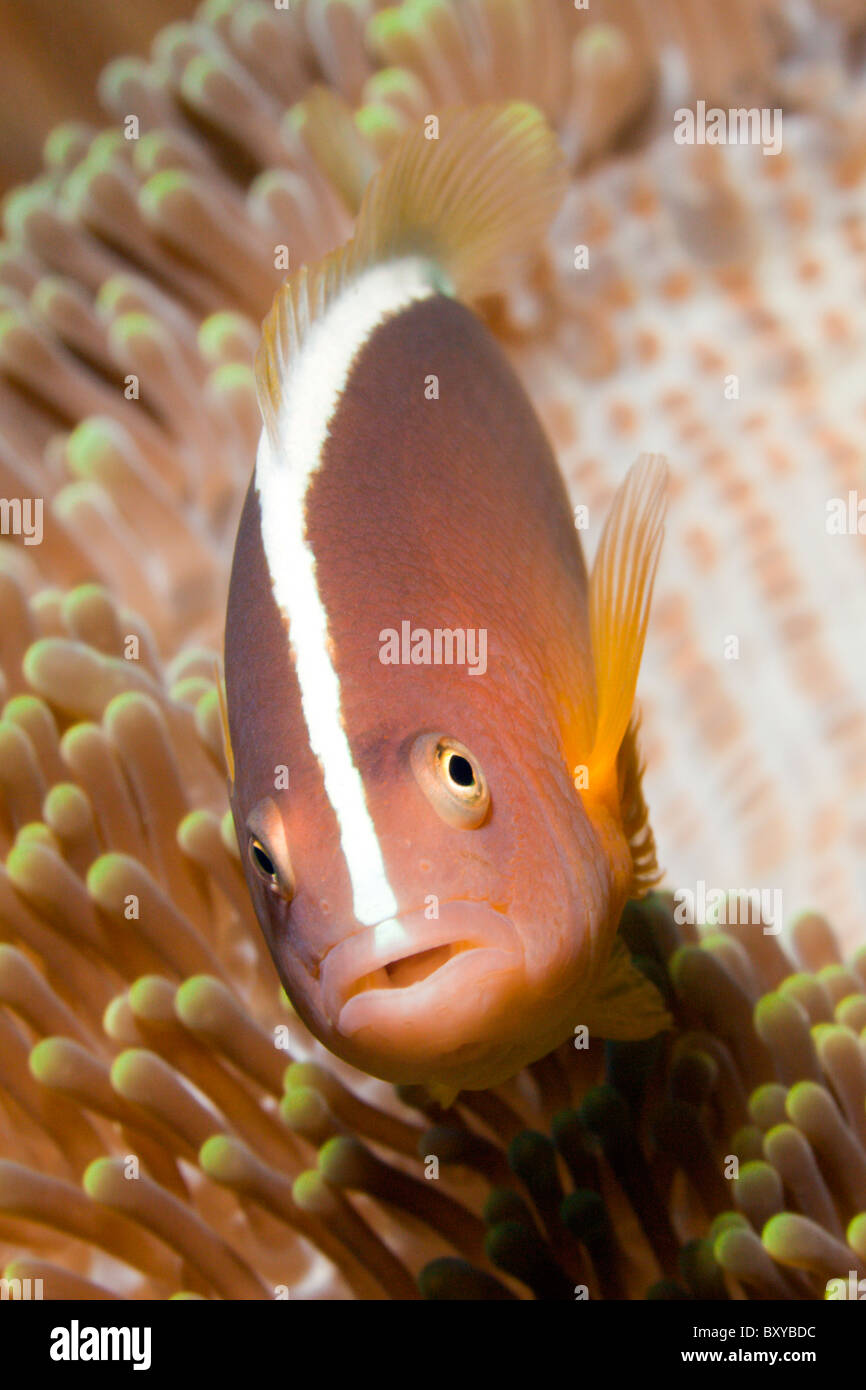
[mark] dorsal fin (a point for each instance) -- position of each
(468, 202)
(326, 121)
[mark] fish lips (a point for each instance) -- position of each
(415, 984)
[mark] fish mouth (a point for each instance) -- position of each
(410, 972)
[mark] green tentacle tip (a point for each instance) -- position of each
(151, 997)
(513, 1246)
(856, 1234)
(216, 328)
(391, 82)
(124, 1067)
(89, 442)
(376, 117)
(106, 875)
(62, 139)
(748, 1144)
(727, 1221)
(198, 71)
(701, 1271)
(311, 1193)
(98, 1177)
(388, 24)
(606, 1114)
(160, 187)
(46, 1060)
(584, 1214)
(120, 70)
(304, 1074)
(43, 649)
(532, 1157)
(221, 1157)
(37, 833)
(194, 997)
(232, 376)
(342, 1160)
(600, 40)
(304, 1109)
(504, 1204)
(192, 821)
(451, 1279)
(18, 707)
(776, 1009)
(66, 797)
(567, 1128)
(767, 1105)
(136, 324)
(782, 1238)
(25, 860)
(212, 11)
(22, 201)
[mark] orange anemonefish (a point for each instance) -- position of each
(439, 899)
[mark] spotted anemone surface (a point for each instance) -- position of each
(167, 1126)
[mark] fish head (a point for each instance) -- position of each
(438, 926)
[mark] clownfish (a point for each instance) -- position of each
(438, 855)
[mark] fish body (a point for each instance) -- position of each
(440, 899)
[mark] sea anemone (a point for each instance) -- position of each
(168, 1126)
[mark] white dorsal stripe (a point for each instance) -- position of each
(284, 469)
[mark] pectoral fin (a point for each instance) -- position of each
(620, 593)
(624, 1005)
(635, 816)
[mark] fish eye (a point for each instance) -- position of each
(458, 769)
(266, 868)
(451, 779)
(268, 850)
(262, 860)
